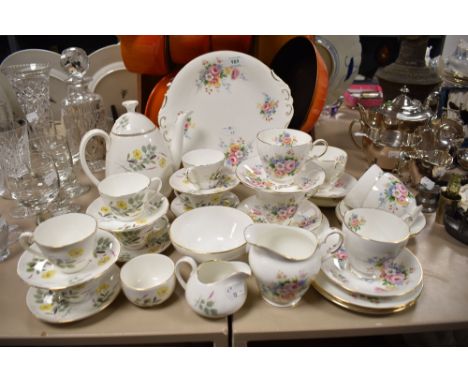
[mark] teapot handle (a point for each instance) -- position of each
(193, 265)
(90, 134)
(350, 129)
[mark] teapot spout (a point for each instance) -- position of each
(177, 139)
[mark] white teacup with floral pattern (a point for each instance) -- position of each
(148, 280)
(147, 235)
(227, 199)
(390, 194)
(356, 196)
(333, 162)
(280, 207)
(283, 152)
(373, 236)
(204, 167)
(127, 193)
(67, 241)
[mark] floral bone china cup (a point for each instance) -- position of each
(280, 207)
(127, 193)
(204, 166)
(148, 280)
(372, 237)
(285, 260)
(333, 162)
(283, 152)
(356, 196)
(146, 236)
(214, 289)
(67, 241)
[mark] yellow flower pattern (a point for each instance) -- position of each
(46, 307)
(103, 260)
(161, 292)
(75, 252)
(102, 288)
(121, 204)
(48, 274)
(137, 154)
(162, 162)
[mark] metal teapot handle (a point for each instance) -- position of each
(350, 129)
(84, 165)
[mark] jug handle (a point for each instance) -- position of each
(350, 129)
(90, 134)
(334, 247)
(188, 260)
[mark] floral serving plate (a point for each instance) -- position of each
(415, 228)
(40, 273)
(307, 215)
(252, 174)
(180, 183)
(363, 303)
(230, 96)
(337, 189)
(182, 204)
(158, 207)
(44, 305)
(395, 277)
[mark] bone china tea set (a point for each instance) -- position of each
(225, 119)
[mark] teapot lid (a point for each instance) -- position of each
(404, 108)
(132, 123)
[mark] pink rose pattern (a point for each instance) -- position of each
(391, 273)
(285, 139)
(283, 166)
(257, 179)
(285, 290)
(235, 152)
(215, 75)
(355, 222)
(395, 195)
(268, 107)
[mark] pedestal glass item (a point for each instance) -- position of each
(4, 252)
(31, 85)
(82, 110)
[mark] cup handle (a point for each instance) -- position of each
(321, 142)
(192, 264)
(26, 240)
(156, 184)
(192, 178)
(335, 247)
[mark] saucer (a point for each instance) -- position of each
(252, 174)
(396, 277)
(363, 303)
(307, 216)
(181, 203)
(40, 273)
(415, 228)
(108, 221)
(179, 182)
(159, 245)
(337, 189)
(40, 301)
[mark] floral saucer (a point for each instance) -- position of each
(307, 215)
(180, 183)
(252, 174)
(363, 303)
(395, 277)
(182, 204)
(43, 304)
(159, 245)
(337, 189)
(415, 228)
(158, 206)
(40, 273)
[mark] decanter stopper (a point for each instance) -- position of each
(75, 62)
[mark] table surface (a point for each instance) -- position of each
(443, 304)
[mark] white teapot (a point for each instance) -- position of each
(136, 145)
(216, 288)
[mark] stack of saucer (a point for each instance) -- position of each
(282, 177)
(373, 272)
(204, 181)
(70, 266)
(139, 232)
(377, 189)
(337, 182)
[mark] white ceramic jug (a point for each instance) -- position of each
(216, 288)
(135, 144)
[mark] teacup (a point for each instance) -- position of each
(280, 207)
(203, 167)
(356, 196)
(67, 241)
(284, 152)
(390, 194)
(144, 236)
(127, 193)
(333, 162)
(372, 237)
(148, 280)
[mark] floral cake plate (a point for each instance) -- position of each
(44, 306)
(415, 228)
(158, 245)
(40, 273)
(180, 183)
(337, 189)
(363, 303)
(181, 204)
(396, 277)
(252, 174)
(307, 215)
(158, 207)
(230, 96)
